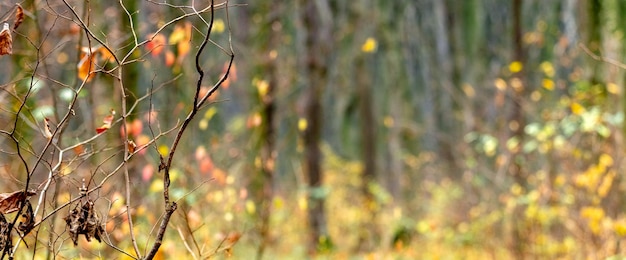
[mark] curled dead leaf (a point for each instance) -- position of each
(46, 129)
(19, 16)
(27, 219)
(11, 202)
(131, 146)
(106, 122)
(6, 40)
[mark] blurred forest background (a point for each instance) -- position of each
(406, 129)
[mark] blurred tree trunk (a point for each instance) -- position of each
(594, 41)
(268, 113)
(368, 234)
(446, 92)
(516, 123)
(316, 21)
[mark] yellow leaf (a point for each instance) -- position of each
(547, 84)
(210, 113)
(262, 87)
(605, 160)
(203, 124)
(592, 213)
(250, 207)
(177, 35)
(302, 124)
(163, 149)
(613, 88)
(369, 45)
(516, 66)
(547, 68)
(182, 37)
(605, 185)
(577, 109)
(156, 186)
(620, 227)
(302, 203)
(218, 26)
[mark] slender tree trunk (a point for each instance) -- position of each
(518, 122)
(317, 47)
(268, 129)
(369, 234)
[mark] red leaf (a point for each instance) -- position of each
(106, 122)
(155, 45)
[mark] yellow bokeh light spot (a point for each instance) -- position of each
(516, 67)
(389, 122)
(547, 84)
(547, 68)
(163, 149)
(577, 109)
(500, 84)
(369, 45)
(302, 124)
(613, 88)
(218, 26)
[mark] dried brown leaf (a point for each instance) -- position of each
(27, 219)
(46, 129)
(6, 40)
(19, 16)
(10, 202)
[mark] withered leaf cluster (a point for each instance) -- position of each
(5, 235)
(27, 219)
(84, 220)
(6, 40)
(11, 202)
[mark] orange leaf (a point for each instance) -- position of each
(78, 150)
(206, 165)
(86, 66)
(183, 48)
(19, 16)
(46, 129)
(155, 45)
(106, 54)
(10, 202)
(6, 40)
(180, 33)
(106, 122)
(182, 37)
(169, 58)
